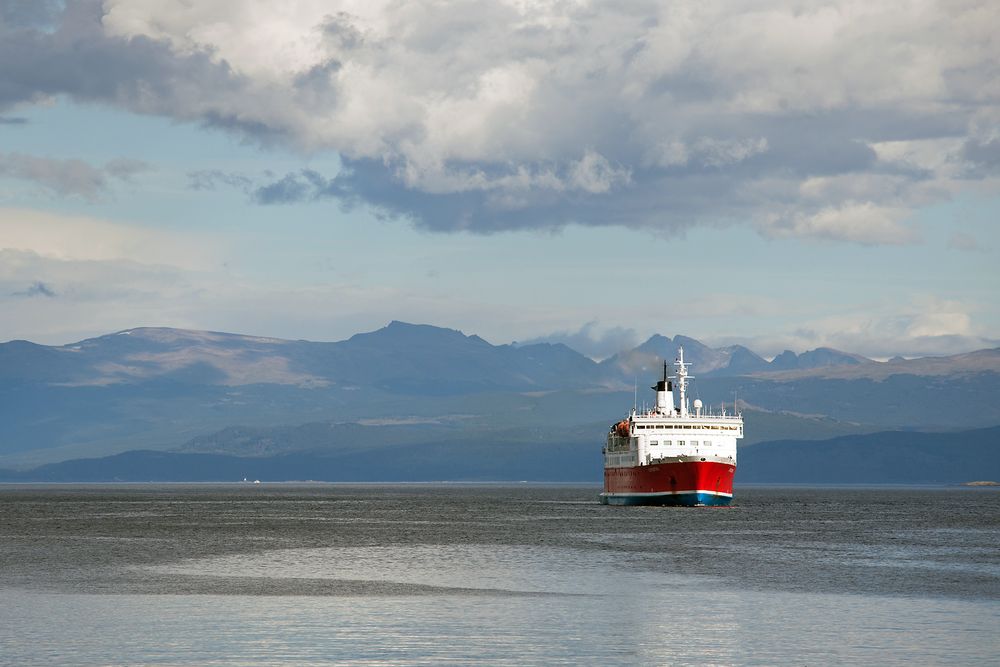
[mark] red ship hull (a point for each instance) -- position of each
(673, 483)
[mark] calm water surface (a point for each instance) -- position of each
(409, 575)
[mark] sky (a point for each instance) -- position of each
(780, 174)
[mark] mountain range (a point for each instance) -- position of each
(410, 386)
(400, 357)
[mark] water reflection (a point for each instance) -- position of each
(499, 568)
(641, 626)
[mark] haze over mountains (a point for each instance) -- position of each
(413, 387)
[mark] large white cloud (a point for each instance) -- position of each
(832, 120)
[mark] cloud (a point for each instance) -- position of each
(925, 326)
(296, 187)
(709, 152)
(35, 13)
(68, 177)
(80, 238)
(70, 53)
(983, 154)
(125, 168)
(13, 120)
(508, 115)
(37, 288)
(859, 222)
(592, 342)
(210, 179)
(963, 241)
(63, 177)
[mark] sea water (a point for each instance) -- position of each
(277, 574)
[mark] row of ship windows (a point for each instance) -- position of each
(669, 443)
(681, 443)
(704, 427)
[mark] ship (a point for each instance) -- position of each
(671, 455)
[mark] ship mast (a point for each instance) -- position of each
(682, 378)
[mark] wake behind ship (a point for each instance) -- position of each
(669, 456)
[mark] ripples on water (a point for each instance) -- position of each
(519, 575)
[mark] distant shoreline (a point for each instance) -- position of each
(471, 483)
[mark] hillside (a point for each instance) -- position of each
(893, 457)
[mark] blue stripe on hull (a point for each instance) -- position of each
(693, 499)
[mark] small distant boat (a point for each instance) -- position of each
(669, 456)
